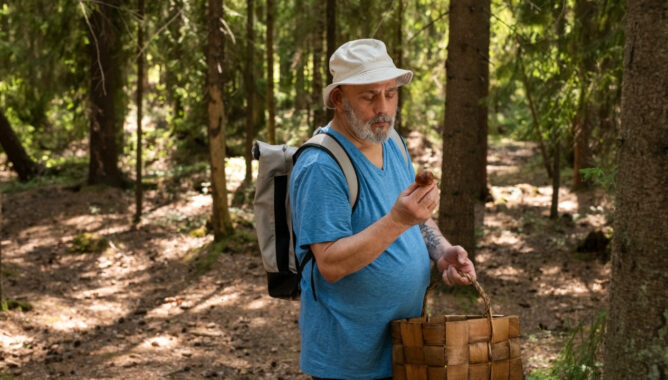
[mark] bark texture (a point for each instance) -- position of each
(583, 125)
(249, 80)
(398, 60)
(271, 105)
(637, 333)
(465, 130)
(331, 45)
(106, 87)
(222, 224)
(22, 164)
(139, 193)
(319, 115)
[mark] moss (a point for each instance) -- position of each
(88, 243)
(16, 304)
(198, 232)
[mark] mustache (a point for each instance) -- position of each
(381, 119)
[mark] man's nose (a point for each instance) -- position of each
(382, 105)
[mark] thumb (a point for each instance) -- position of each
(462, 255)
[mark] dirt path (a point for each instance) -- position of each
(146, 307)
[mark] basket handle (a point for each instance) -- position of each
(485, 298)
(476, 285)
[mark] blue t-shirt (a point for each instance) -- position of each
(345, 333)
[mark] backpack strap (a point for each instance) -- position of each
(394, 135)
(331, 145)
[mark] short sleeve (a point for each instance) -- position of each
(319, 200)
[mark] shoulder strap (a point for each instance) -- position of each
(331, 145)
(400, 144)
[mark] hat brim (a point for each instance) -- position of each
(403, 77)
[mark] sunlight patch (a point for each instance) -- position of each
(257, 304)
(568, 206)
(14, 340)
(507, 238)
(161, 342)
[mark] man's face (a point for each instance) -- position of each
(370, 109)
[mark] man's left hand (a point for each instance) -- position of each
(455, 259)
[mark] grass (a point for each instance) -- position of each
(88, 243)
(578, 359)
(15, 304)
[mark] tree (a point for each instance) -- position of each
(24, 166)
(140, 95)
(222, 224)
(3, 304)
(465, 130)
(106, 87)
(331, 45)
(271, 105)
(637, 333)
(249, 80)
(584, 36)
(319, 114)
(398, 60)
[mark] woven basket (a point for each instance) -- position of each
(461, 347)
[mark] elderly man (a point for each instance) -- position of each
(371, 261)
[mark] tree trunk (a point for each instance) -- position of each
(249, 79)
(584, 29)
(24, 166)
(299, 58)
(139, 195)
(637, 331)
(318, 34)
(175, 50)
(398, 60)
(331, 45)
(464, 134)
(3, 305)
(271, 107)
(556, 178)
(222, 224)
(106, 86)
(534, 115)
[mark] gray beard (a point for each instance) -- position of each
(362, 130)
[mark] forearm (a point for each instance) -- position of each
(350, 254)
(434, 239)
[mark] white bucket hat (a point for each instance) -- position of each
(362, 62)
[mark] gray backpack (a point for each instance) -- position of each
(273, 219)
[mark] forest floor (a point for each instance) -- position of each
(155, 300)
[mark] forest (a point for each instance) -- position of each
(127, 234)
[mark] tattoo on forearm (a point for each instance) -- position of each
(431, 238)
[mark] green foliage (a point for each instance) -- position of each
(605, 179)
(579, 358)
(42, 84)
(19, 305)
(202, 259)
(88, 243)
(572, 67)
(60, 171)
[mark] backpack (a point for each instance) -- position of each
(273, 217)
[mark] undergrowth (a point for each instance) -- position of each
(579, 358)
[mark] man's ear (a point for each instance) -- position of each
(336, 96)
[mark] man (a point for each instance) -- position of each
(371, 262)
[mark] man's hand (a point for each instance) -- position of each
(454, 259)
(415, 204)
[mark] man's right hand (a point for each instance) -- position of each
(415, 204)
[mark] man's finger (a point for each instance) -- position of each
(456, 278)
(427, 191)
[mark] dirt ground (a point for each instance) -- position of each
(157, 303)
